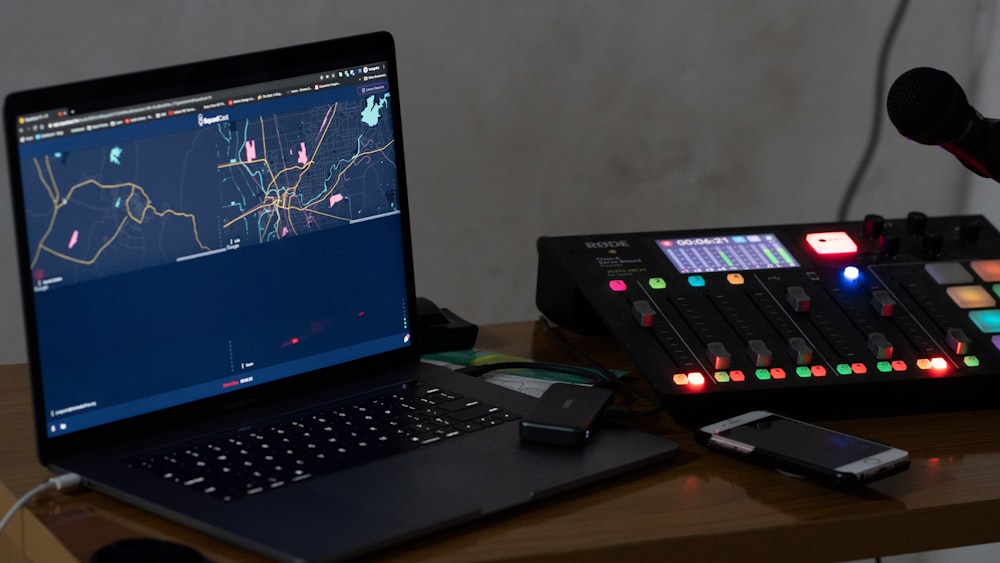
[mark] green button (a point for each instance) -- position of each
(763, 373)
(844, 369)
(884, 366)
(971, 361)
(803, 371)
(657, 283)
(722, 377)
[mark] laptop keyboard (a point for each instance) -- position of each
(252, 461)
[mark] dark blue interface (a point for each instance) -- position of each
(180, 255)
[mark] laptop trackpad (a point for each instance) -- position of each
(453, 480)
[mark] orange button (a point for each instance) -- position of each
(970, 296)
(987, 270)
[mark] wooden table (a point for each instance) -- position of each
(699, 506)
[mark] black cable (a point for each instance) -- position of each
(566, 345)
(876, 125)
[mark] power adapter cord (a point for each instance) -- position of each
(57, 483)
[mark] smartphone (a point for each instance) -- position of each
(803, 449)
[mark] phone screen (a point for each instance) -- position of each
(802, 441)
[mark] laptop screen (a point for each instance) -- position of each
(186, 247)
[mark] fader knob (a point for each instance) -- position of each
(883, 303)
(800, 351)
(643, 313)
(759, 353)
(879, 346)
(916, 223)
(958, 341)
(718, 356)
(873, 226)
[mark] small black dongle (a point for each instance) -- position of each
(564, 415)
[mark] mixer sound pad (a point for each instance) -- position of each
(881, 316)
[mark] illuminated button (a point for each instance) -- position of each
(879, 346)
(762, 374)
(923, 363)
(735, 278)
(883, 366)
(996, 342)
(696, 281)
(696, 378)
(798, 299)
(818, 371)
(883, 303)
(987, 270)
(836, 243)
(657, 283)
(777, 373)
(859, 368)
(759, 353)
(721, 377)
(737, 375)
(939, 363)
(958, 341)
(718, 355)
(971, 361)
(970, 296)
(898, 365)
(799, 350)
(680, 378)
(844, 369)
(803, 371)
(996, 289)
(948, 273)
(987, 320)
(643, 313)
(851, 273)
(617, 285)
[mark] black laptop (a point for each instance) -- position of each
(220, 310)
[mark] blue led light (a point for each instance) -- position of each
(851, 273)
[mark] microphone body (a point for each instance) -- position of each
(928, 106)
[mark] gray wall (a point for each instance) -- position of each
(531, 118)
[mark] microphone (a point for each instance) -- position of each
(928, 106)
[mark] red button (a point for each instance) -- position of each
(836, 243)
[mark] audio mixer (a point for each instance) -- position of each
(871, 317)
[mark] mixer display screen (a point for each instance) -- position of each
(728, 253)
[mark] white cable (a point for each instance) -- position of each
(59, 482)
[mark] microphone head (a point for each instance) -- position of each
(928, 106)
